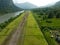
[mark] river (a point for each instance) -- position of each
(5, 17)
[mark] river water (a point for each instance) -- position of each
(5, 17)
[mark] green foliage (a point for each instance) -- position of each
(51, 41)
(58, 15)
(51, 12)
(7, 6)
(50, 15)
(47, 25)
(10, 28)
(32, 33)
(49, 19)
(3, 25)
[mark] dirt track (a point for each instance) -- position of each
(16, 35)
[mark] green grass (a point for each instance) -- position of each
(9, 29)
(51, 41)
(32, 33)
(55, 23)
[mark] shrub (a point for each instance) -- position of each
(49, 21)
(58, 15)
(50, 15)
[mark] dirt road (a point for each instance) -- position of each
(16, 35)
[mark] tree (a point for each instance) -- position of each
(51, 15)
(58, 15)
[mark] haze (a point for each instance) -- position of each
(37, 2)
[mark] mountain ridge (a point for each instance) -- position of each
(26, 5)
(7, 6)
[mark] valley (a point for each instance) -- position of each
(5, 17)
(24, 32)
(34, 30)
(28, 24)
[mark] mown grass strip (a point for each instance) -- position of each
(32, 33)
(46, 30)
(12, 26)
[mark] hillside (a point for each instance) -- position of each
(48, 18)
(57, 4)
(7, 6)
(26, 5)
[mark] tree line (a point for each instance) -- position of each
(49, 11)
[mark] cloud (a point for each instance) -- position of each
(37, 2)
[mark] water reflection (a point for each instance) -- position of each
(5, 17)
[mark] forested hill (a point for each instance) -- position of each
(7, 6)
(52, 11)
(57, 5)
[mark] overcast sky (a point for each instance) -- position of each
(37, 2)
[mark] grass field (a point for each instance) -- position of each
(54, 22)
(32, 33)
(9, 29)
(46, 25)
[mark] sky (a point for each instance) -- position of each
(37, 2)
